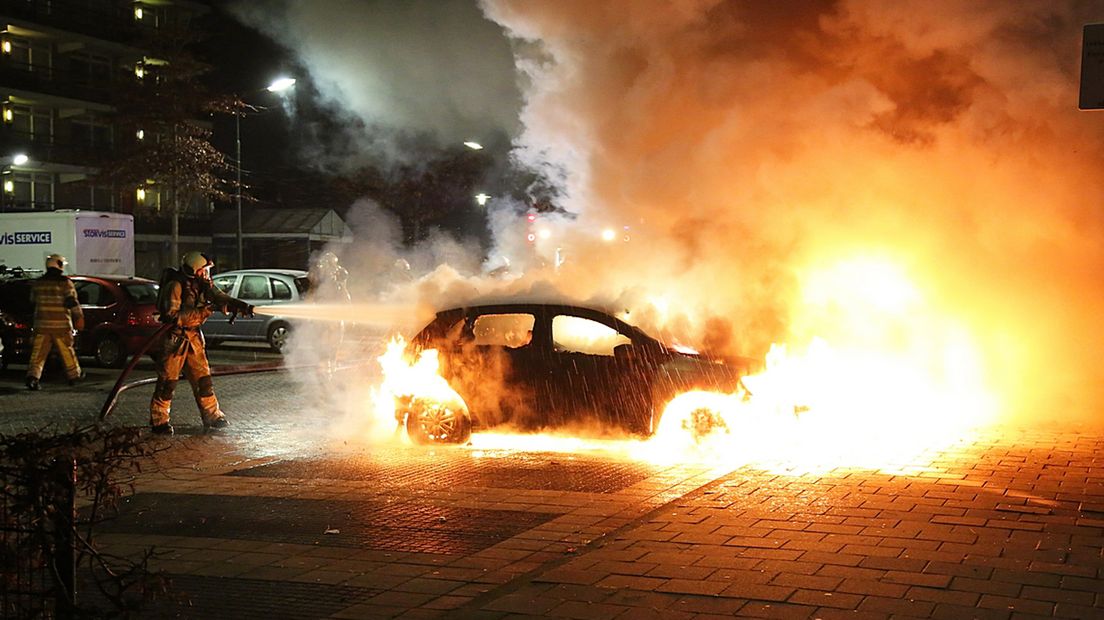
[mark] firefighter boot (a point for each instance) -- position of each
(162, 429)
(32, 383)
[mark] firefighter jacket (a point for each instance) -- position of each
(56, 307)
(188, 301)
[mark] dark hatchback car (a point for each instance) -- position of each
(119, 315)
(541, 366)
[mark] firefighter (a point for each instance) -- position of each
(329, 284)
(186, 298)
(57, 316)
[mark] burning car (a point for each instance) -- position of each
(535, 367)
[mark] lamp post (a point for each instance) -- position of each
(278, 85)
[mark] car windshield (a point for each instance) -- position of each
(144, 293)
(301, 285)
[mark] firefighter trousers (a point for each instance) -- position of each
(40, 349)
(183, 351)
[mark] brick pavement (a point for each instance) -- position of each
(1010, 525)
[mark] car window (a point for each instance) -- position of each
(280, 289)
(225, 283)
(93, 294)
(302, 285)
(503, 330)
(575, 334)
(143, 293)
(254, 287)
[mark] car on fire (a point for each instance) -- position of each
(535, 367)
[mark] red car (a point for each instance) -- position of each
(119, 315)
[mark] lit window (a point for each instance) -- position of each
(137, 12)
(140, 134)
(139, 71)
(6, 46)
(141, 193)
(9, 186)
(9, 115)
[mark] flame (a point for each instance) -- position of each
(906, 383)
(418, 378)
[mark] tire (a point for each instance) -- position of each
(109, 352)
(277, 336)
(433, 423)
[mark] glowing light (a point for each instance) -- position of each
(531, 237)
(901, 382)
(609, 234)
(6, 46)
(9, 186)
(140, 134)
(8, 115)
(475, 146)
(416, 379)
(138, 12)
(139, 71)
(481, 198)
(544, 233)
(19, 159)
(141, 194)
(281, 84)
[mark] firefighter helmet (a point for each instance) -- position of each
(195, 262)
(56, 261)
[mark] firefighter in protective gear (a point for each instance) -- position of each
(186, 298)
(57, 316)
(329, 284)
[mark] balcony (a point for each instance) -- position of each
(111, 23)
(56, 82)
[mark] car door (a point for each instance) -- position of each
(494, 366)
(254, 289)
(214, 327)
(599, 372)
(99, 306)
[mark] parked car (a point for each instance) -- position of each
(119, 315)
(536, 366)
(260, 287)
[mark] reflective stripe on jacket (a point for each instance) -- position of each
(56, 305)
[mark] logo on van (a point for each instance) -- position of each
(95, 233)
(26, 238)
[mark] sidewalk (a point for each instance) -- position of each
(272, 520)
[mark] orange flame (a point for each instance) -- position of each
(418, 378)
(907, 383)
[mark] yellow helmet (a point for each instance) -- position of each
(194, 262)
(57, 261)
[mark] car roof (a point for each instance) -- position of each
(117, 279)
(541, 308)
(283, 272)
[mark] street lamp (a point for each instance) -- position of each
(19, 159)
(278, 85)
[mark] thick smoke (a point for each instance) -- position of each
(399, 75)
(716, 156)
(746, 144)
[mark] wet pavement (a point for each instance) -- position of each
(283, 517)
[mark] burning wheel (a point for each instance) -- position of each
(428, 423)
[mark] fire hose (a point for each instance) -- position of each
(119, 387)
(241, 369)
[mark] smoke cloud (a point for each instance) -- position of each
(400, 76)
(719, 160)
(746, 145)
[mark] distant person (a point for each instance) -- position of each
(186, 298)
(329, 285)
(57, 317)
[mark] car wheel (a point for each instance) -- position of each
(277, 336)
(109, 352)
(433, 423)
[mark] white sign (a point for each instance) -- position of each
(1092, 68)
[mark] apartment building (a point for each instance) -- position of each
(59, 63)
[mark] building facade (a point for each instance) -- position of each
(59, 63)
